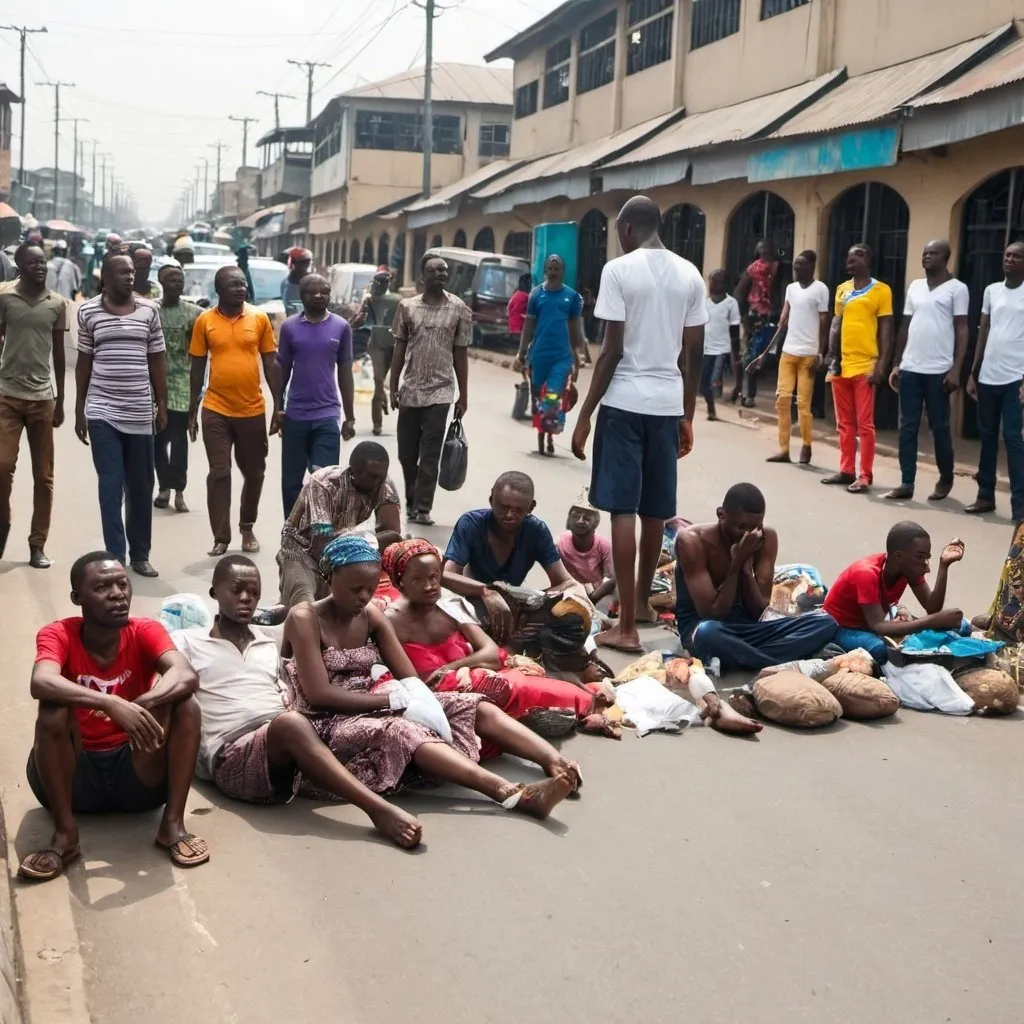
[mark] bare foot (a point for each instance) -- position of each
(217, 550)
(398, 826)
(539, 799)
(563, 766)
(646, 615)
(743, 704)
(619, 640)
(722, 716)
(601, 725)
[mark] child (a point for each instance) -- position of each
(586, 556)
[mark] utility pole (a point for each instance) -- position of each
(278, 96)
(216, 188)
(428, 86)
(310, 66)
(103, 172)
(199, 206)
(22, 31)
(74, 170)
(206, 186)
(56, 86)
(245, 122)
(95, 193)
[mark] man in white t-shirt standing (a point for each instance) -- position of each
(996, 381)
(652, 302)
(929, 358)
(721, 339)
(805, 320)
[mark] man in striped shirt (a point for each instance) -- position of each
(121, 372)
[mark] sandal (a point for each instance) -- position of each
(858, 487)
(250, 545)
(188, 852)
(45, 865)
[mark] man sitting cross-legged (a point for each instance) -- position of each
(252, 747)
(724, 576)
(117, 727)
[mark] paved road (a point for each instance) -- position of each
(867, 872)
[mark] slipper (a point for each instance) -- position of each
(251, 547)
(858, 487)
(188, 852)
(622, 648)
(45, 865)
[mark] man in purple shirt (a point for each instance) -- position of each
(313, 347)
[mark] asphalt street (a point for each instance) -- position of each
(866, 872)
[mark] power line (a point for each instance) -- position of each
(56, 86)
(310, 66)
(22, 32)
(277, 96)
(245, 122)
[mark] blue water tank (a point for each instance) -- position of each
(555, 240)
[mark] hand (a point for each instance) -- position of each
(579, 437)
(876, 376)
(161, 418)
(348, 430)
(144, 731)
(276, 422)
(359, 319)
(436, 676)
(685, 438)
(81, 427)
(894, 379)
(952, 552)
(58, 413)
(461, 405)
(193, 424)
(949, 619)
(746, 547)
(394, 398)
(499, 616)
(972, 387)
(818, 363)
(519, 365)
(756, 364)
(952, 382)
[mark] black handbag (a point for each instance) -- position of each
(454, 457)
(521, 403)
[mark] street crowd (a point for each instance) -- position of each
(397, 664)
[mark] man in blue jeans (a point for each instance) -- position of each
(314, 351)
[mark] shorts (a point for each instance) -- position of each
(242, 771)
(105, 781)
(635, 463)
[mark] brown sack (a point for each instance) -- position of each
(791, 698)
(993, 692)
(862, 696)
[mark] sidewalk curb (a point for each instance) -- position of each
(10, 961)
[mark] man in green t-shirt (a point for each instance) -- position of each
(377, 313)
(176, 321)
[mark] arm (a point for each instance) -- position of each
(756, 585)
(83, 374)
(59, 364)
(835, 335)
(877, 623)
(158, 381)
(389, 519)
(526, 338)
(177, 681)
(388, 644)
(558, 575)
(485, 650)
(460, 358)
(578, 342)
(775, 343)
(824, 321)
(885, 332)
(285, 357)
(273, 374)
(742, 288)
(979, 354)
(691, 359)
(961, 336)
(933, 600)
(346, 385)
(710, 601)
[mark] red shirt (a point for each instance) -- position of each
(129, 675)
(860, 584)
(517, 311)
(762, 280)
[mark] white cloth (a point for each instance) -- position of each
(1003, 362)
(63, 276)
(655, 293)
(236, 689)
(803, 334)
(721, 316)
(931, 336)
(651, 705)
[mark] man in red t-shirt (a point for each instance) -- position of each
(862, 596)
(117, 728)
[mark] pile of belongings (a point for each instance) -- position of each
(796, 589)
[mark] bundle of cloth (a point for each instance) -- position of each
(796, 589)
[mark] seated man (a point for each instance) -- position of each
(252, 747)
(117, 727)
(863, 597)
(724, 576)
(332, 501)
(586, 556)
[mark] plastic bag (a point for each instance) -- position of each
(454, 457)
(425, 708)
(649, 705)
(923, 686)
(184, 611)
(521, 403)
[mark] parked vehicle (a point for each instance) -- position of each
(349, 284)
(485, 281)
(267, 276)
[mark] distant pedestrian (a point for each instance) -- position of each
(431, 338)
(755, 290)
(235, 338)
(62, 273)
(121, 371)
(653, 305)
(378, 313)
(516, 309)
(996, 383)
(33, 320)
(142, 257)
(929, 359)
(300, 262)
(315, 359)
(721, 340)
(177, 319)
(862, 334)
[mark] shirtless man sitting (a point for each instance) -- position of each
(724, 577)
(252, 747)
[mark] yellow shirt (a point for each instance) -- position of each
(234, 346)
(860, 310)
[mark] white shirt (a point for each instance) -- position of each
(803, 333)
(63, 276)
(931, 338)
(721, 316)
(655, 293)
(238, 692)
(1003, 362)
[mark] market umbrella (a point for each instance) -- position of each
(7, 211)
(62, 225)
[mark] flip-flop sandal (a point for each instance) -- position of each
(188, 852)
(858, 487)
(56, 862)
(251, 547)
(621, 648)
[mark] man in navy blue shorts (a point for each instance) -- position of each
(652, 302)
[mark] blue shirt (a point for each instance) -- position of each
(470, 547)
(310, 353)
(553, 311)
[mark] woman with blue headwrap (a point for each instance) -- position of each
(337, 647)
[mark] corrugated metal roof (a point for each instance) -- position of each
(1005, 68)
(879, 94)
(540, 30)
(268, 211)
(451, 83)
(727, 124)
(459, 188)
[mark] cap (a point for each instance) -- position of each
(60, 245)
(583, 500)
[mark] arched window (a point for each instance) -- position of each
(682, 231)
(763, 216)
(436, 242)
(459, 241)
(484, 241)
(518, 243)
(591, 251)
(368, 251)
(353, 251)
(383, 250)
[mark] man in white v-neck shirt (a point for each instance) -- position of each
(721, 340)
(929, 358)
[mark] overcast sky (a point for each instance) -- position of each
(157, 82)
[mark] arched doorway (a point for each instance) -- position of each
(682, 231)
(459, 241)
(368, 250)
(484, 241)
(419, 248)
(763, 216)
(383, 250)
(436, 242)
(353, 252)
(591, 252)
(518, 243)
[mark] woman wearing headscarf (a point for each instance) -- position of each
(334, 646)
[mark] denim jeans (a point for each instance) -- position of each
(920, 392)
(306, 445)
(1001, 402)
(865, 640)
(124, 468)
(756, 645)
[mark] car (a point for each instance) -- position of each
(211, 249)
(267, 277)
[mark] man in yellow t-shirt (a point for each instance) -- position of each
(862, 328)
(235, 338)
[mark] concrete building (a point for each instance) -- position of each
(7, 97)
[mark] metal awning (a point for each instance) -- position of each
(664, 159)
(444, 204)
(254, 218)
(1005, 68)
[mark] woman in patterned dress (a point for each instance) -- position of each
(333, 645)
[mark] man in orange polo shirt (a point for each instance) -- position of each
(235, 338)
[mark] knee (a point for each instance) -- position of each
(291, 727)
(53, 721)
(219, 471)
(707, 637)
(8, 462)
(184, 714)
